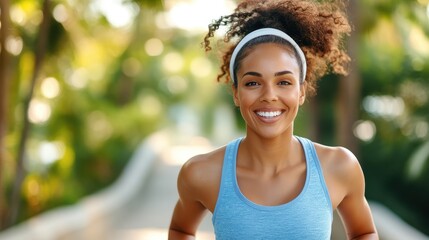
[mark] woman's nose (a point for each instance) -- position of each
(268, 94)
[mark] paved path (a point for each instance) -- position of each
(148, 215)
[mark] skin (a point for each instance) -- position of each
(270, 156)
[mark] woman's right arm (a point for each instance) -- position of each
(189, 210)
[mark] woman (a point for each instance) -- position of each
(272, 184)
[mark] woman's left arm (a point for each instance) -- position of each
(354, 209)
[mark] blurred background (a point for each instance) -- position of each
(84, 82)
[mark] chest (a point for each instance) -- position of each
(258, 209)
(272, 190)
(305, 214)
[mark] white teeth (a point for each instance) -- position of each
(269, 114)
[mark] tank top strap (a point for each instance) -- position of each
(315, 166)
(227, 177)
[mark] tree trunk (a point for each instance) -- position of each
(42, 41)
(314, 118)
(350, 88)
(4, 97)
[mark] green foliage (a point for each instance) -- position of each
(393, 63)
(113, 92)
(101, 91)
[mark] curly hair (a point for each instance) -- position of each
(318, 28)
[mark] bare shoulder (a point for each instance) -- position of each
(342, 172)
(338, 161)
(201, 167)
(199, 177)
(346, 184)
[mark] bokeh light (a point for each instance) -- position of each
(161, 20)
(201, 67)
(422, 129)
(173, 62)
(50, 152)
(14, 45)
(50, 87)
(17, 15)
(384, 106)
(39, 111)
(203, 12)
(176, 84)
(60, 13)
(154, 47)
(364, 130)
(117, 12)
(415, 128)
(419, 42)
(79, 78)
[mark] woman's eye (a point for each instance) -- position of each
(251, 84)
(284, 83)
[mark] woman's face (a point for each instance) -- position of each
(268, 92)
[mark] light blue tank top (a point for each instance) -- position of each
(308, 216)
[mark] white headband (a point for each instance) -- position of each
(262, 32)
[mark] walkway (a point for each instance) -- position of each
(148, 215)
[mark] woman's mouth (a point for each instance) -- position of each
(269, 114)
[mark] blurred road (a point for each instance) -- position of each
(148, 215)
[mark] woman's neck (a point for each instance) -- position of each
(272, 154)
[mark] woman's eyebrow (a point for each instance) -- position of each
(282, 73)
(256, 74)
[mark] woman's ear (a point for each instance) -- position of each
(235, 96)
(302, 96)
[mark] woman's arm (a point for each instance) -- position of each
(185, 221)
(189, 211)
(357, 219)
(354, 209)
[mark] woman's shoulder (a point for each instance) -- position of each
(339, 161)
(204, 162)
(199, 177)
(335, 153)
(342, 172)
(202, 170)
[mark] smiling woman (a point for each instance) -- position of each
(272, 184)
(271, 91)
